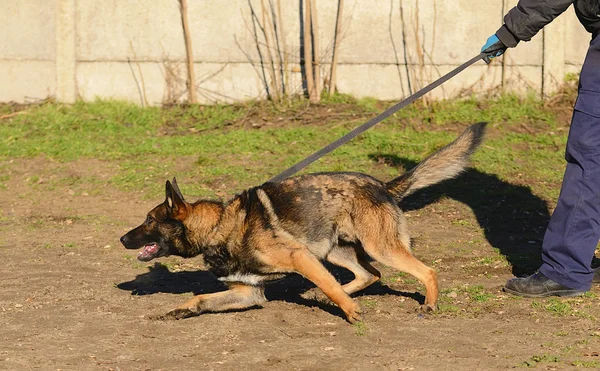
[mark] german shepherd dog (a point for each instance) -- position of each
(290, 226)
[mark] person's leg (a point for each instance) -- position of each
(574, 229)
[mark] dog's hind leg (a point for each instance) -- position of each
(384, 239)
(396, 255)
(365, 274)
(239, 296)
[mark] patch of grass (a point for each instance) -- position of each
(394, 277)
(172, 264)
(533, 361)
(477, 293)
(398, 277)
(445, 308)
(138, 265)
(586, 364)
(589, 295)
(462, 222)
(559, 307)
(369, 303)
(337, 98)
(360, 329)
(486, 260)
(150, 143)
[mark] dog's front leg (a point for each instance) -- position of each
(239, 296)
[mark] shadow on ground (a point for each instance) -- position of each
(290, 289)
(512, 217)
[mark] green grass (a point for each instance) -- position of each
(208, 144)
(565, 307)
(369, 303)
(533, 361)
(444, 308)
(586, 364)
(71, 245)
(477, 293)
(360, 329)
(559, 307)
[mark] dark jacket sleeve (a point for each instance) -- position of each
(527, 18)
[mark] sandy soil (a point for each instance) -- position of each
(71, 298)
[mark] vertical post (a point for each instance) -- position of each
(66, 88)
(285, 78)
(308, 65)
(553, 65)
(269, 27)
(316, 60)
(189, 52)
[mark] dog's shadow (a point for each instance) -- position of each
(512, 218)
(292, 288)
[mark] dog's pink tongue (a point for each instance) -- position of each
(148, 252)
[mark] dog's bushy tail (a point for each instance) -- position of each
(444, 164)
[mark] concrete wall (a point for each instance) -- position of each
(134, 49)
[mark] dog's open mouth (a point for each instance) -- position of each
(149, 252)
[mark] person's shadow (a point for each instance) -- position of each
(512, 218)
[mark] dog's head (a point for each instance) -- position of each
(163, 231)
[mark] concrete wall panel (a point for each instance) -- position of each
(27, 81)
(27, 29)
(121, 81)
(577, 39)
(388, 49)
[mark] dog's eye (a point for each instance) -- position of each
(149, 220)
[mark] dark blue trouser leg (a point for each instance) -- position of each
(574, 229)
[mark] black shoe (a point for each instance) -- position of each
(538, 286)
(596, 275)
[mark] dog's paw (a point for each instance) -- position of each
(180, 313)
(354, 313)
(428, 308)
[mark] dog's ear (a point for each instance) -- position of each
(176, 189)
(175, 203)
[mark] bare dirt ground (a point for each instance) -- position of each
(72, 298)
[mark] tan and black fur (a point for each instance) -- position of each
(293, 225)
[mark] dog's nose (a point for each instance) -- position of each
(122, 239)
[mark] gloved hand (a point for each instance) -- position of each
(493, 48)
